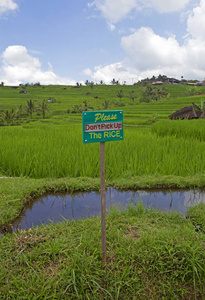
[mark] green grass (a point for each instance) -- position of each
(150, 255)
(67, 97)
(41, 150)
(188, 129)
(197, 215)
(16, 192)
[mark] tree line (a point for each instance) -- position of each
(14, 116)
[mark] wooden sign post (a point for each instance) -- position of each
(103, 204)
(102, 126)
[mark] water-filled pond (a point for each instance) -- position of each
(81, 205)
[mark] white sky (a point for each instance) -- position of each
(64, 42)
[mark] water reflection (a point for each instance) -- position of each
(81, 205)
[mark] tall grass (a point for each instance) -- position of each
(191, 129)
(58, 151)
(150, 255)
(44, 151)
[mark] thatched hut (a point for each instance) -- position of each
(188, 112)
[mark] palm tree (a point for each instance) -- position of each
(5, 116)
(152, 93)
(43, 107)
(92, 85)
(87, 83)
(76, 108)
(120, 94)
(113, 81)
(86, 106)
(30, 108)
(164, 93)
(106, 104)
(132, 96)
(18, 111)
(8, 116)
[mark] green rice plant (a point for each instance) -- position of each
(147, 154)
(46, 151)
(39, 152)
(190, 129)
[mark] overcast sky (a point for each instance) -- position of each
(64, 42)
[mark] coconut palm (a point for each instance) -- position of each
(18, 111)
(92, 85)
(86, 106)
(153, 93)
(87, 83)
(30, 108)
(8, 116)
(76, 108)
(43, 107)
(113, 81)
(106, 104)
(132, 96)
(120, 94)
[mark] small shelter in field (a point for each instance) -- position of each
(188, 112)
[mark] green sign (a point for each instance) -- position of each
(102, 126)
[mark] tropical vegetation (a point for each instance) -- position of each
(150, 254)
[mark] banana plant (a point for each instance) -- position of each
(200, 108)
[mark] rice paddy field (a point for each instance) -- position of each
(53, 147)
(49, 151)
(150, 254)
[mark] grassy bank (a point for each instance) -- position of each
(150, 255)
(16, 192)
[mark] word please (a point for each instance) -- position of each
(103, 126)
(105, 134)
(102, 117)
